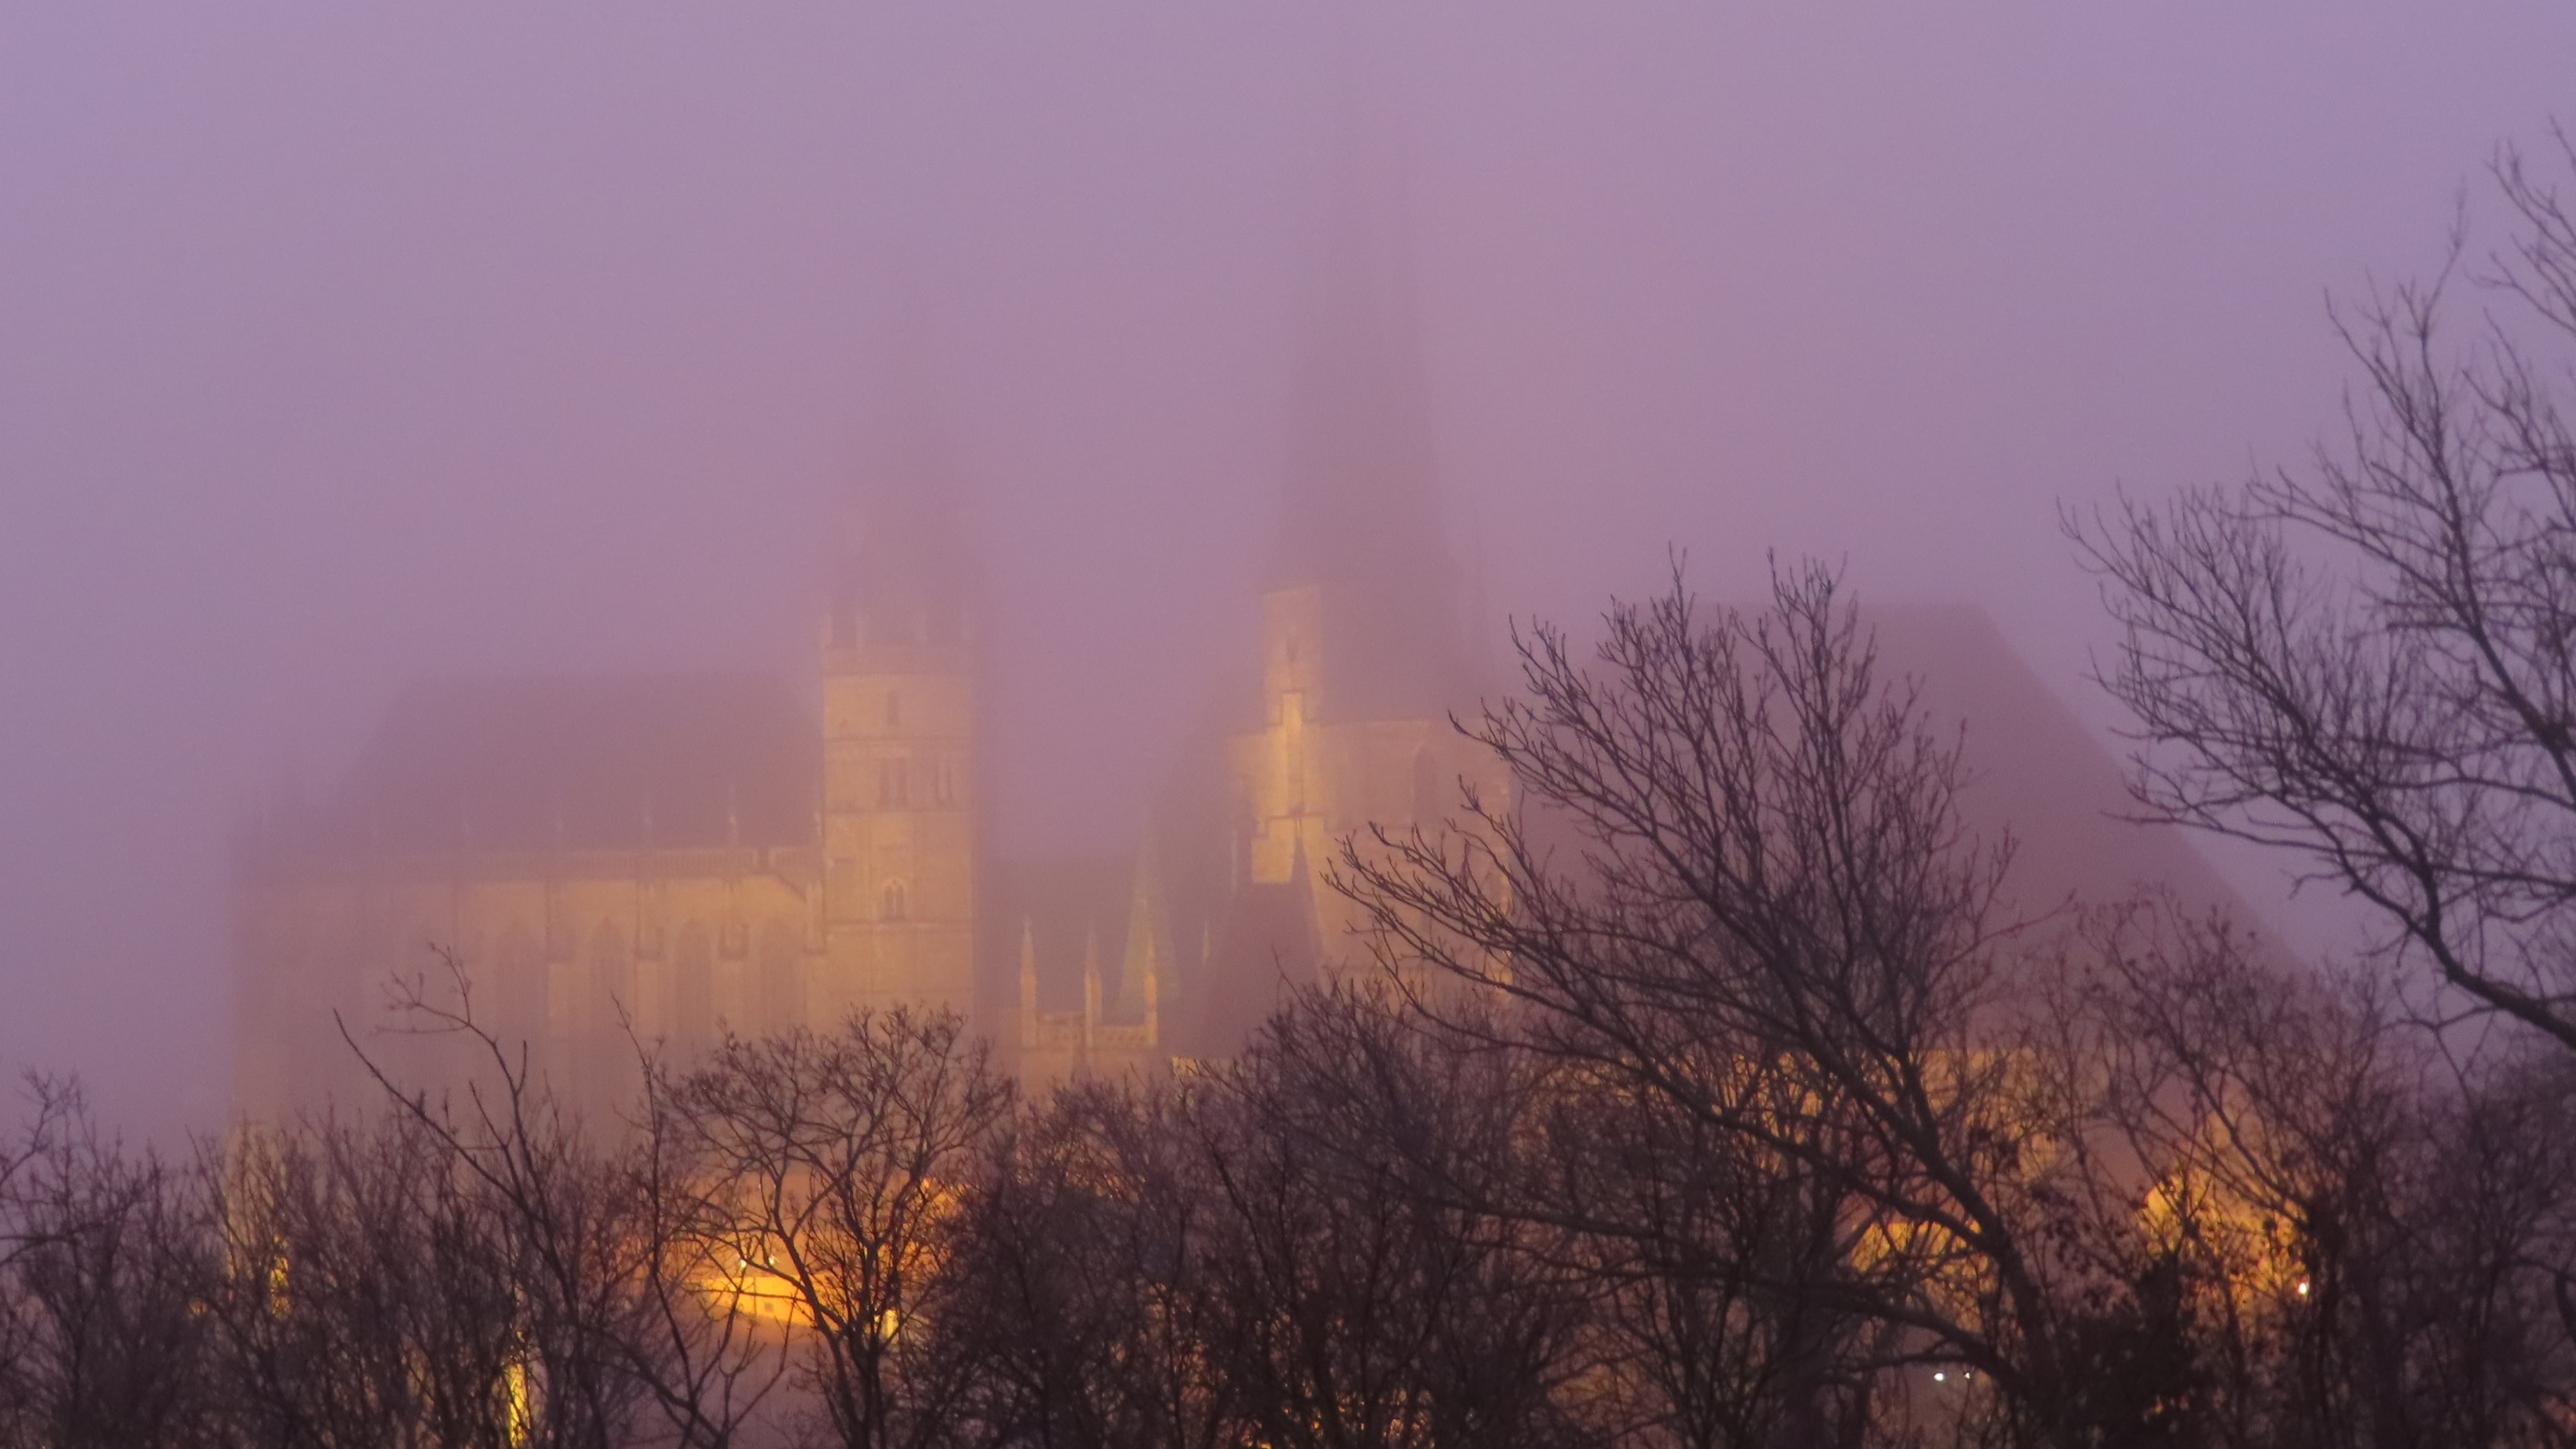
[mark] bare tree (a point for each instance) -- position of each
(104, 1263)
(52, 1110)
(1735, 884)
(1084, 1288)
(2366, 1245)
(366, 1293)
(618, 1295)
(830, 1171)
(1373, 1292)
(2369, 663)
(1695, 1240)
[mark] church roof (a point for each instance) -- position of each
(2036, 771)
(1265, 947)
(610, 762)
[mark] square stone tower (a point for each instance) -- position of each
(898, 835)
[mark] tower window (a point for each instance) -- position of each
(944, 782)
(894, 709)
(892, 785)
(891, 904)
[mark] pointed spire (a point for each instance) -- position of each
(1360, 514)
(1090, 984)
(901, 570)
(1028, 983)
(1149, 952)
(1360, 459)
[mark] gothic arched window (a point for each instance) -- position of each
(520, 972)
(892, 904)
(1428, 801)
(782, 979)
(612, 976)
(693, 987)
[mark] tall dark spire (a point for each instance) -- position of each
(901, 561)
(1360, 513)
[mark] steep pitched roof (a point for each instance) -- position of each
(2038, 771)
(610, 762)
(1264, 947)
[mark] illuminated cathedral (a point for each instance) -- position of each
(602, 863)
(615, 863)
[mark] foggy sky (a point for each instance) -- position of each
(343, 345)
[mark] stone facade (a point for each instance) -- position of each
(617, 928)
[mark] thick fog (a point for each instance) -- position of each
(346, 345)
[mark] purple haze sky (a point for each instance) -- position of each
(341, 344)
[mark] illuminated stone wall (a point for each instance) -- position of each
(1308, 780)
(584, 954)
(898, 826)
(564, 954)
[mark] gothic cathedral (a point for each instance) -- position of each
(599, 866)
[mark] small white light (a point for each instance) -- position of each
(2303, 1287)
(1939, 1377)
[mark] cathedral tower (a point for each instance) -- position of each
(1363, 654)
(896, 916)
